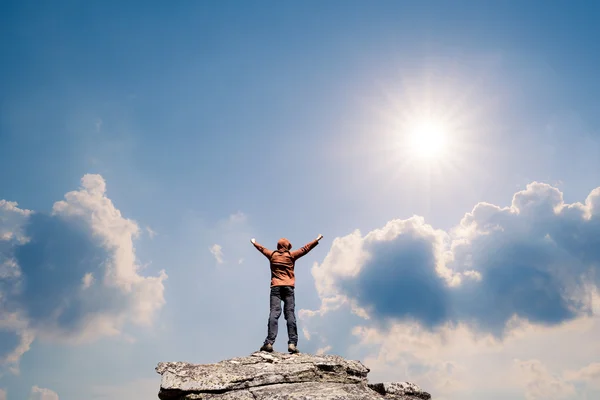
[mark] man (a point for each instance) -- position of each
(282, 262)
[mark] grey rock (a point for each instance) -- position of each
(235, 395)
(315, 391)
(270, 376)
(400, 390)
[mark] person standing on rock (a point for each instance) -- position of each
(282, 262)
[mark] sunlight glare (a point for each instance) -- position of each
(427, 139)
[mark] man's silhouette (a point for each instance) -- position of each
(282, 262)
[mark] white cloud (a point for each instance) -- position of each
(539, 232)
(87, 280)
(90, 205)
(83, 279)
(38, 393)
(2, 394)
(455, 361)
(541, 384)
(9, 268)
(451, 310)
(306, 333)
(217, 251)
(12, 220)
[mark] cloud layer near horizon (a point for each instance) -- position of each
(71, 275)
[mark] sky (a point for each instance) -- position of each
(447, 151)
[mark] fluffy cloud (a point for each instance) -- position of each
(2, 394)
(217, 251)
(430, 302)
(38, 393)
(12, 219)
(533, 260)
(72, 275)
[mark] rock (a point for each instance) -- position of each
(400, 389)
(315, 390)
(278, 376)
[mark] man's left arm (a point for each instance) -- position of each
(302, 251)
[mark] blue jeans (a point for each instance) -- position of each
(285, 294)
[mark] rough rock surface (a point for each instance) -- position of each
(399, 389)
(278, 376)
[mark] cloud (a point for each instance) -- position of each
(306, 333)
(237, 218)
(151, 233)
(72, 275)
(589, 374)
(534, 260)
(541, 384)
(38, 393)
(458, 363)
(12, 219)
(21, 343)
(452, 309)
(2, 394)
(217, 251)
(88, 280)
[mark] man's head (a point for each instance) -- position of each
(283, 243)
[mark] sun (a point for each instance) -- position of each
(426, 132)
(427, 139)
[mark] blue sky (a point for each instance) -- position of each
(142, 145)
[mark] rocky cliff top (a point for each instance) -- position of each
(270, 376)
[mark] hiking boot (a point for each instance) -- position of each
(292, 348)
(267, 347)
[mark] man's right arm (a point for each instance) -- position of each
(266, 252)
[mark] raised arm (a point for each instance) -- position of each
(266, 252)
(302, 251)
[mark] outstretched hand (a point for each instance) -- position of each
(253, 240)
(319, 237)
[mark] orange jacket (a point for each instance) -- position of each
(282, 260)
